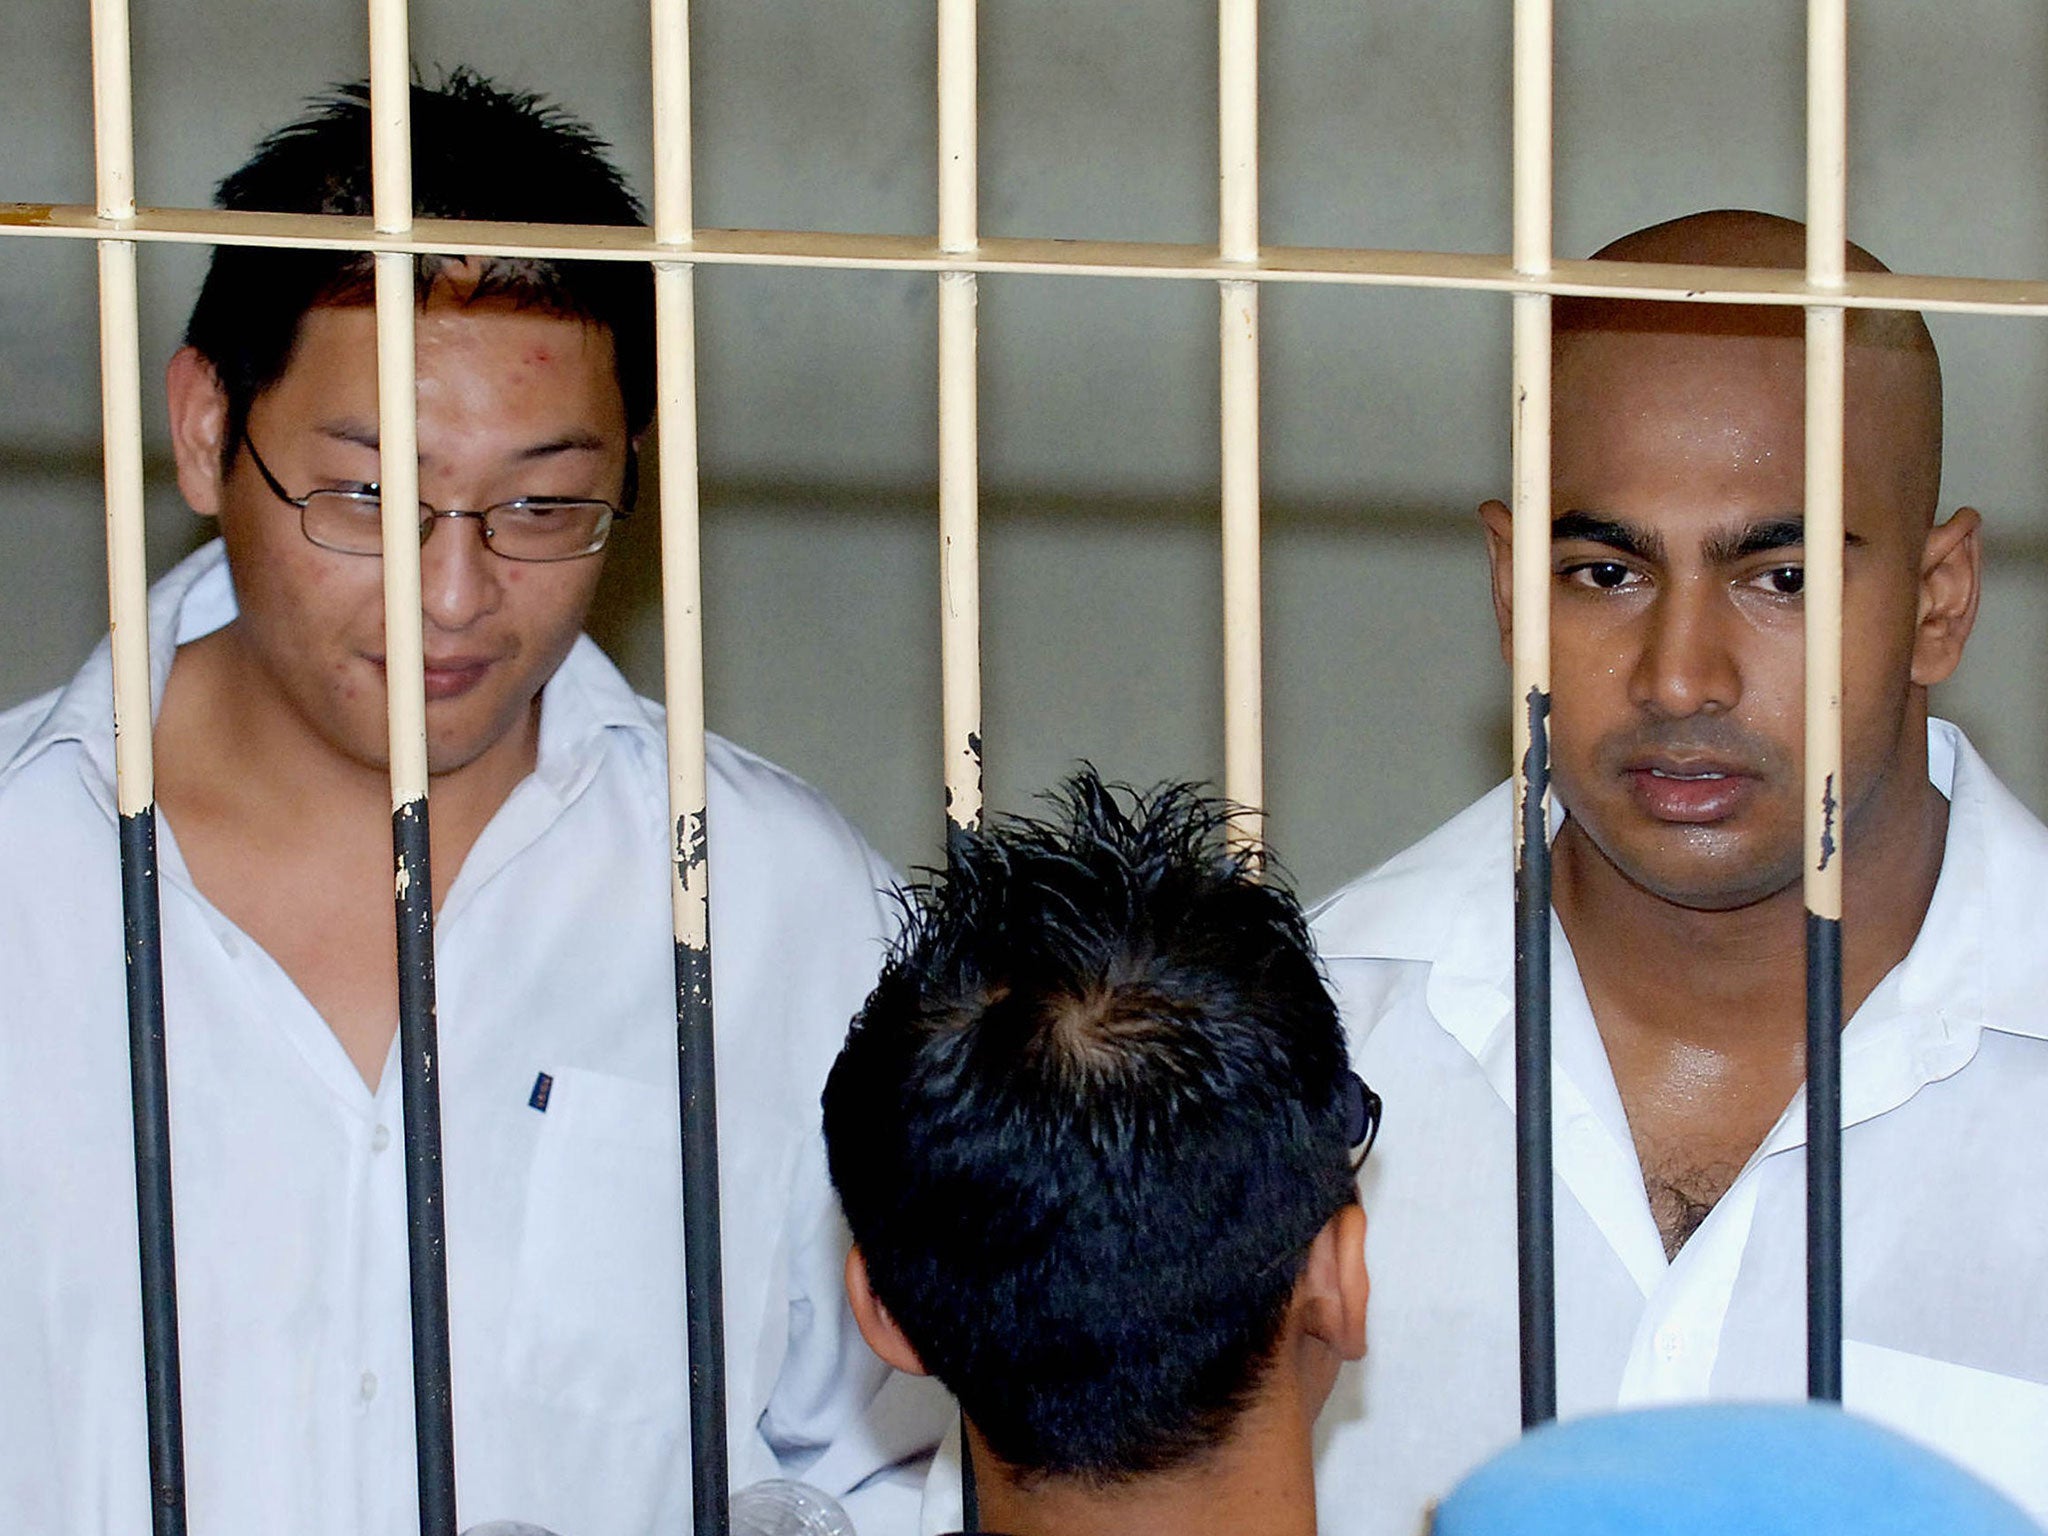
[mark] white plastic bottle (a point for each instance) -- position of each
(780, 1507)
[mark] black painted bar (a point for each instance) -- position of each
(1535, 1226)
(703, 1261)
(1823, 1158)
(419, 1055)
(970, 1495)
(141, 921)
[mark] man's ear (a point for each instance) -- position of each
(876, 1325)
(199, 426)
(1334, 1286)
(1951, 575)
(1500, 555)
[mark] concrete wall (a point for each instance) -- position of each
(1385, 124)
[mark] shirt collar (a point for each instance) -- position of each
(586, 697)
(1978, 956)
(194, 598)
(1448, 902)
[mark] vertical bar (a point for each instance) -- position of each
(1827, 137)
(682, 628)
(1535, 1217)
(960, 473)
(406, 711)
(113, 111)
(1237, 51)
(134, 766)
(959, 418)
(959, 552)
(959, 152)
(121, 392)
(1243, 645)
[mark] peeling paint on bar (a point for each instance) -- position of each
(970, 781)
(1535, 785)
(692, 844)
(1828, 807)
(693, 982)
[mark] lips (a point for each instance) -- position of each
(1689, 791)
(449, 677)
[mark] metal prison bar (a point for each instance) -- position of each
(1239, 265)
(1827, 213)
(689, 853)
(1535, 1223)
(134, 763)
(959, 168)
(406, 710)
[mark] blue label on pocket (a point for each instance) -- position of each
(543, 1085)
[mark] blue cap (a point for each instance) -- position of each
(1711, 1469)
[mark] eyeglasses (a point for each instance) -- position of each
(533, 528)
(1361, 1118)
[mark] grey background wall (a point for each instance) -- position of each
(1385, 124)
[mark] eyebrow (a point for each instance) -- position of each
(1727, 548)
(1756, 539)
(353, 433)
(1591, 528)
(573, 441)
(568, 442)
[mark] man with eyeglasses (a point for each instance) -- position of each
(553, 946)
(1097, 1140)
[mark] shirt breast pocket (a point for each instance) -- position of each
(595, 1320)
(1994, 1425)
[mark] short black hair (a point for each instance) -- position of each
(478, 152)
(1088, 1125)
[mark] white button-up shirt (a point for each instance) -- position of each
(556, 1010)
(1945, 1184)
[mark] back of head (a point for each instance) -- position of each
(1087, 1127)
(478, 152)
(1705, 1469)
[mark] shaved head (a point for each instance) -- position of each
(1893, 375)
(1677, 552)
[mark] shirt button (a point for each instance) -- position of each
(1670, 1343)
(380, 1138)
(368, 1385)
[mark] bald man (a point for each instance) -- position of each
(1678, 934)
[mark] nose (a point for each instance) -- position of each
(460, 579)
(1686, 664)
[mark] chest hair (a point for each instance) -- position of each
(1683, 1194)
